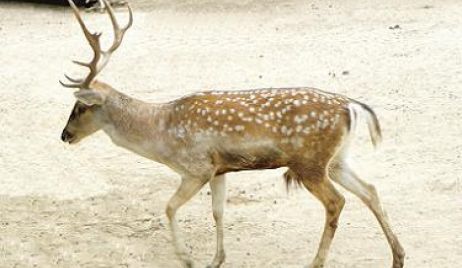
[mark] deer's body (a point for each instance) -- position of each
(221, 131)
(208, 134)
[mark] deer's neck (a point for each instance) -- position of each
(137, 126)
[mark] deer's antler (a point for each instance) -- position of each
(101, 57)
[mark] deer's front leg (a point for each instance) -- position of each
(218, 188)
(188, 188)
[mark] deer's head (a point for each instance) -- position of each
(87, 117)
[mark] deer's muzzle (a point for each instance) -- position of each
(66, 136)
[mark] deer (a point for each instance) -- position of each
(204, 135)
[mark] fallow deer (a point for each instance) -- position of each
(205, 135)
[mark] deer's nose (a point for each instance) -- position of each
(66, 136)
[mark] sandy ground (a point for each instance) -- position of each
(96, 205)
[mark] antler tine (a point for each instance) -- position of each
(77, 85)
(82, 63)
(77, 81)
(118, 32)
(130, 18)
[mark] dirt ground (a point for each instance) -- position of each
(96, 205)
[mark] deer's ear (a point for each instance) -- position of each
(90, 97)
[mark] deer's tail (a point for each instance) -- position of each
(360, 109)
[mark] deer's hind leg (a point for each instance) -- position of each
(318, 183)
(342, 174)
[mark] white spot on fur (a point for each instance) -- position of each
(300, 118)
(318, 124)
(289, 131)
(297, 142)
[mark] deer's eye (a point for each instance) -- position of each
(77, 111)
(80, 110)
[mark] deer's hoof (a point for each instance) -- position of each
(214, 265)
(398, 262)
(188, 264)
(315, 265)
(398, 258)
